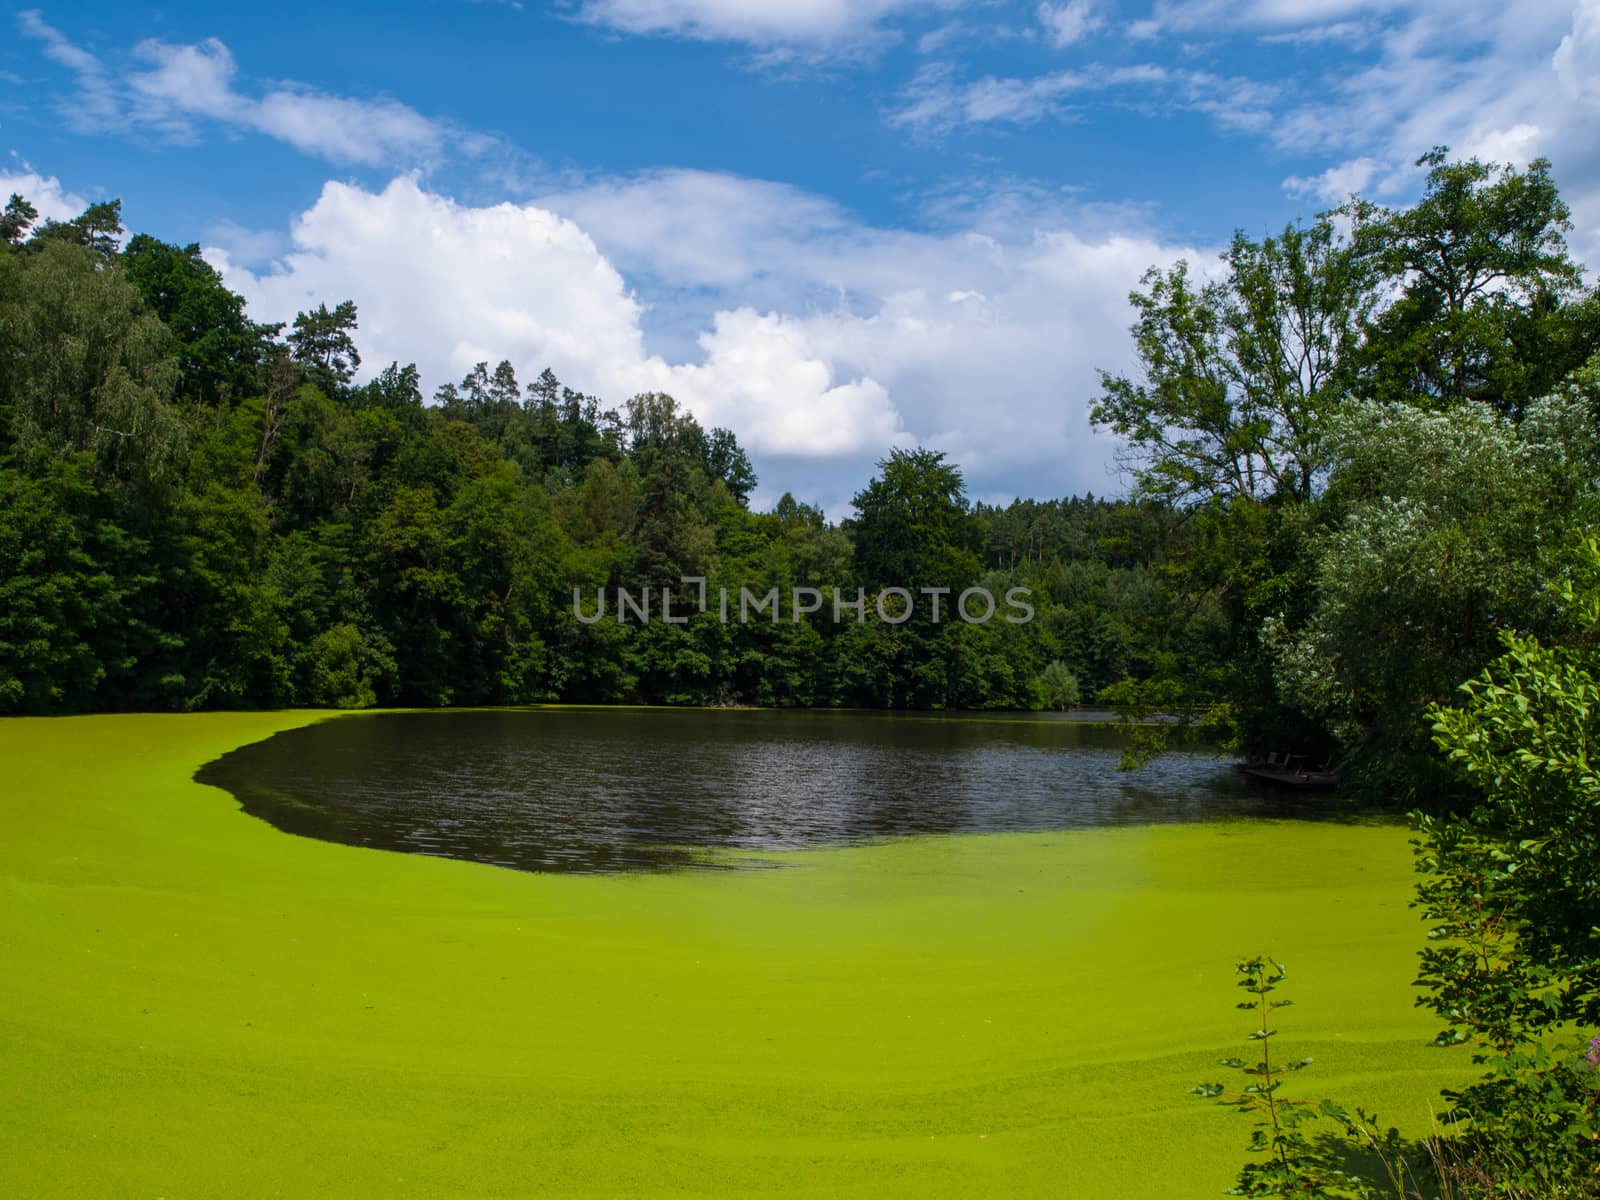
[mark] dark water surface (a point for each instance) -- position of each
(641, 789)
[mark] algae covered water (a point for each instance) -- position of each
(198, 1005)
(589, 790)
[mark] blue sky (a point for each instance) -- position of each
(833, 226)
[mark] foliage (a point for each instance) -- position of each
(203, 511)
(218, 348)
(17, 218)
(1240, 373)
(1449, 525)
(1489, 306)
(1513, 965)
(62, 596)
(1363, 556)
(1058, 686)
(913, 527)
(321, 342)
(348, 667)
(85, 367)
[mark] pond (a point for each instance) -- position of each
(601, 790)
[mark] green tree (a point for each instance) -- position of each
(1450, 523)
(84, 366)
(1508, 884)
(1058, 686)
(1239, 376)
(349, 667)
(58, 593)
(97, 229)
(321, 342)
(1490, 305)
(17, 219)
(218, 347)
(913, 527)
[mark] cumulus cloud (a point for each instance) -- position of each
(985, 337)
(819, 340)
(44, 192)
(1336, 184)
(1577, 58)
(702, 228)
(763, 377)
(450, 285)
(176, 87)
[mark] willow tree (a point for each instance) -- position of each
(1451, 524)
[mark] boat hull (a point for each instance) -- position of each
(1305, 781)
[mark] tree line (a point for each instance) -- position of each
(199, 510)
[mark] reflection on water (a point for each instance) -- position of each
(613, 790)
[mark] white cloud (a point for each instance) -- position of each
(1336, 184)
(186, 84)
(96, 102)
(1503, 83)
(56, 46)
(703, 229)
(344, 130)
(763, 377)
(1352, 32)
(819, 340)
(1263, 14)
(190, 79)
(762, 23)
(44, 192)
(1577, 58)
(450, 285)
(936, 101)
(1068, 21)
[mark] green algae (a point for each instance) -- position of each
(196, 1005)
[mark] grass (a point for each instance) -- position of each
(195, 1005)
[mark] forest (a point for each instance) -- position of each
(1359, 450)
(203, 511)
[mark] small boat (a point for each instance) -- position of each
(1290, 771)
